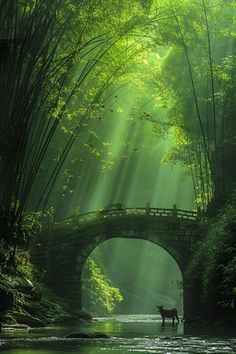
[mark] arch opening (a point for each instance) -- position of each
(143, 274)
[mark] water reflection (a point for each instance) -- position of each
(138, 325)
(111, 328)
(128, 334)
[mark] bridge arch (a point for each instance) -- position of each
(66, 245)
(115, 233)
(82, 258)
(145, 273)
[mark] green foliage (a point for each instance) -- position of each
(15, 237)
(214, 263)
(196, 82)
(100, 297)
(17, 276)
(219, 277)
(58, 60)
(58, 74)
(33, 222)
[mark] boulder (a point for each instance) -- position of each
(28, 320)
(15, 327)
(82, 315)
(87, 335)
(62, 318)
(27, 287)
(24, 285)
(6, 299)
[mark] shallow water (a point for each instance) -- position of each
(132, 334)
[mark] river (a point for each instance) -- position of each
(133, 334)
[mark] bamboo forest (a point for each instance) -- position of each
(118, 176)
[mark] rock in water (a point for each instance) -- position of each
(87, 335)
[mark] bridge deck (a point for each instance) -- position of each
(174, 213)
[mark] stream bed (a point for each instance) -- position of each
(134, 334)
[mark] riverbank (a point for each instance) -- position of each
(26, 302)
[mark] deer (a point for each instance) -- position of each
(169, 313)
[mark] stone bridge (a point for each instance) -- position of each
(63, 247)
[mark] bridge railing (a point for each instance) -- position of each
(189, 215)
(162, 212)
(153, 212)
(102, 214)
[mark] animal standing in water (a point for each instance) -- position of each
(169, 313)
